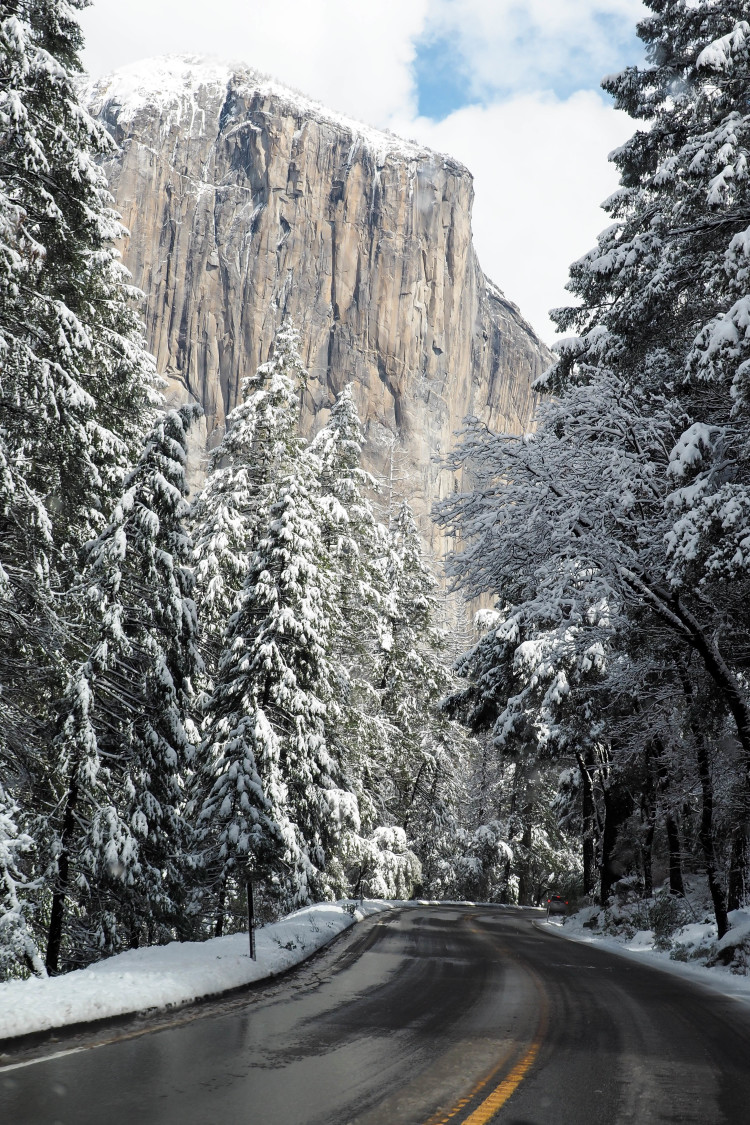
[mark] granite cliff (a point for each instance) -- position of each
(247, 203)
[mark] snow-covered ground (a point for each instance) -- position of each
(168, 975)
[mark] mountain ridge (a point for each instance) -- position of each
(248, 203)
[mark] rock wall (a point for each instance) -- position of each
(246, 204)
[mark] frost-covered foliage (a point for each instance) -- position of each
(76, 390)
(18, 948)
(613, 536)
(269, 791)
(274, 774)
(383, 865)
(74, 375)
(427, 745)
(324, 749)
(259, 445)
(119, 847)
(354, 546)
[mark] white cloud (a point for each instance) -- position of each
(540, 172)
(355, 57)
(507, 45)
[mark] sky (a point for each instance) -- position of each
(509, 87)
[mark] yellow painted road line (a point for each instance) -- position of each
(494, 1101)
(445, 1118)
(499, 1096)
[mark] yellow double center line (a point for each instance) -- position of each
(497, 1098)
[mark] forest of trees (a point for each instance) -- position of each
(255, 681)
(615, 538)
(194, 691)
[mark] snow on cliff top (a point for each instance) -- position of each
(171, 85)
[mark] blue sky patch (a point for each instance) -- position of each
(446, 81)
(442, 84)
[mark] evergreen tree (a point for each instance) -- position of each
(127, 734)
(259, 444)
(275, 805)
(76, 383)
(354, 546)
(18, 948)
(269, 796)
(427, 748)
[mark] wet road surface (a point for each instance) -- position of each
(434, 1016)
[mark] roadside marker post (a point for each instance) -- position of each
(251, 918)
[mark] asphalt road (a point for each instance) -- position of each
(435, 1016)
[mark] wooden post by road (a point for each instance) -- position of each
(251, 918)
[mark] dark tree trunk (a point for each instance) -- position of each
(706, 830)
(618, 805)
(220, 911)
(648, 811)
(524, 875)
(587, 813)
(62, 882)
(676, 885)
(505, 893)
(648, 875)
(737, 890)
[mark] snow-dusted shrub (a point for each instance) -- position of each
(733, 949)
(482, 870)
(385, 865)
(665, 914)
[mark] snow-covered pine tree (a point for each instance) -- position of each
(358, 733)
(19, 953)
(75, 379)
(276, 806)
(269, 798)
(257, 447)
(427, 750)
(120, 851)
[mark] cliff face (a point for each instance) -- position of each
(247, 203)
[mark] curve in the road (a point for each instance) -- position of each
(437, 1016)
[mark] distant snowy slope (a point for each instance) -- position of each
(173, 86)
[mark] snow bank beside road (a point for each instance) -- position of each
(168, 975)
(692, 942)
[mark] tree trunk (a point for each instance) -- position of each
(505, 893)
(648, 811)
(60, 893)
(737, 890)
(587, 813)
(618, 805)
(648, 876)
(220, 911)
(676, 885)
(706, 830)
(524, 875)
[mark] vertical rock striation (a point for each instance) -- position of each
(248, 203)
